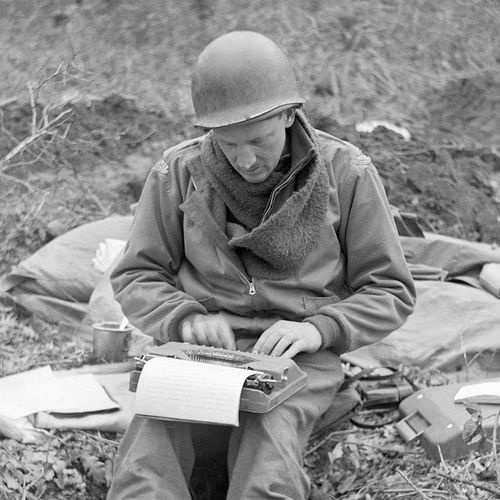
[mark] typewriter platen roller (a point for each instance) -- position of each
(277, 378)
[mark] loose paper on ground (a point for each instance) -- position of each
(36, 390)
(40, 390)
(176, 389)
(89, 395)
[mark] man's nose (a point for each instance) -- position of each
(245, 157)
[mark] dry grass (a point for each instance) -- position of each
(354, 59)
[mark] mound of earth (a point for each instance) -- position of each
(453, 189)
(92, 166)
(77, 173)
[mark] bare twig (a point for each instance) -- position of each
(86, 188)
(476, 484)
(27, 487)
(495, 454)
(33, 110)
(46, 126)
(319, 444)
(357, 443)
(397, 493)
(3, 129)
(415, 488)
(47, 129)
(11, 178)
(38, 157)
(6, 102)
(34, 213)
(462, 344)
(21, 464)
(443, 461)
(98, 438)
(60, 70)
(384, 450)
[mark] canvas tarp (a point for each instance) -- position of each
(453, 322)
(455, 328)
(56, 283)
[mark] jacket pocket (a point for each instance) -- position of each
(313, 304)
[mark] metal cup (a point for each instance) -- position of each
(111, 341)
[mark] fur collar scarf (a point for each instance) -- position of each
(276, 247)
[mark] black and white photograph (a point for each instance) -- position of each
(249, 250)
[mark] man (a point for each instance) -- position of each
(264, 235)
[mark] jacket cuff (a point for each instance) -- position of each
(333, 335)
(172, 330)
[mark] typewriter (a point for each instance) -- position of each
(276, 379)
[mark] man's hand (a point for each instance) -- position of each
(207, 329)
(288, 338)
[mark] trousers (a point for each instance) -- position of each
(155, 458)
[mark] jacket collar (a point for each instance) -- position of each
(276, 247)
(302, 145)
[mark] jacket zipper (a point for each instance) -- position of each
(270, 203)
(251, 287)
(273, 197)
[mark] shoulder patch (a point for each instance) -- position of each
(362, 159)
(161, 167)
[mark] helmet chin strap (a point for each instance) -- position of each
(290, 117)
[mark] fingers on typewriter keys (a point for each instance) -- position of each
(288, 338)
(210, 329)
(275, 342)
(283, 344)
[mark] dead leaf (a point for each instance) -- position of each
(474, 410)
(336, 453)
(473, 431)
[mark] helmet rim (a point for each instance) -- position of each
(241, 76)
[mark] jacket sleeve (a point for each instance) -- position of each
(144, 280)
(379, 283)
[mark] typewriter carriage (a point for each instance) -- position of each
(276, 379)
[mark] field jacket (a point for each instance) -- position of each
(354, 286)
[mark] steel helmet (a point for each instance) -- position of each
(240, 76)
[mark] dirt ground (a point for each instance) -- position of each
(450, 180)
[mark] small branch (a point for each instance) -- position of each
(29, 140)
(403, 493)
(495, 454)
(27, 487)
(382, 449)
(45, 116)
(57, 72)
(366, 445)
(415, 488)
(11, 178)
(319, 444)
(104, 211)
(443, 461)
(35, 212)
(33, 110)
(20, 464)
(476, 484)
(6, 102)
(98, 438)
(329, 436)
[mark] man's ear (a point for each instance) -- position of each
(289, 117)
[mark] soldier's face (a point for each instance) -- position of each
(254, 148)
